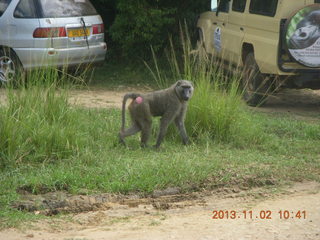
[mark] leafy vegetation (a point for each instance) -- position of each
(133, 27)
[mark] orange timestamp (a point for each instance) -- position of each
(262, 214)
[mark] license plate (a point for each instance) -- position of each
(78, 32)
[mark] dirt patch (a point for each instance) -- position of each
(302, 104)
(192, 218)
(93, 97)
(53, 203)
(98, 98)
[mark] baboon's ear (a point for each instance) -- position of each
(179, 83)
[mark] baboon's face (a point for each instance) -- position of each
(186, 93)
(184, 89)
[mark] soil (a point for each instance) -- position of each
(168, 214)
(190, 217)
(97, 98)
(301, 104)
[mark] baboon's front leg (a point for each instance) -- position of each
(182, 130)
(179, 121)
(164, 123)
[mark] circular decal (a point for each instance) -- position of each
(303, 36)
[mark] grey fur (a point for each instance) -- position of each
(171, 104)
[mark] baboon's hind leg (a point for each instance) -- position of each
(146, 126)
(129, 132)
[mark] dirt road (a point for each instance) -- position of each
(257, 217)
(302, 104)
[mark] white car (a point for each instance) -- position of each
(40, 33)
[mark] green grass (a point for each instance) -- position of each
(289, 152)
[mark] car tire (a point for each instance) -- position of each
(255, 84)
(11, 69)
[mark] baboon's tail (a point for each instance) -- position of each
(125, 98)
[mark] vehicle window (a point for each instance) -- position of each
(25, 9)
(263, 7)
(224, 6)
(66, 8)
(214, 5)
(239, 5)
(3, 6)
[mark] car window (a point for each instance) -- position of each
(263, 7)
(3, 6)
(239, 5)
(224, 6)
(25, 9)
(66, 8)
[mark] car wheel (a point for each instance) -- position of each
(255, 84)
(10, 67)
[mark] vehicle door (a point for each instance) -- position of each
(220, 23)
(236, 31)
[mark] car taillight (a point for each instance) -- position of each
(50, 32)
(97, 28)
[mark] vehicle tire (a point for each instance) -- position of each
(254, 83)
(11, 69)
(302, 36)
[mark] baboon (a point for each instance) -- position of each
(171, 104)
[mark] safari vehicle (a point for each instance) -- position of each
(41, 33)
(275, 42)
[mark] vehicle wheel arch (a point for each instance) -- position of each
(11, 67)
(246, 49)
(3, 47)
(200, 35)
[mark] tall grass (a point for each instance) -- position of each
(216, 109)
(37, 123)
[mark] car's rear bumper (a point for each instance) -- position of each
(42, 57)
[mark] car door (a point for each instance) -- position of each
(220, 24)
(236, 30)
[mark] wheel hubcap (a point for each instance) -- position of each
(7, 69)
